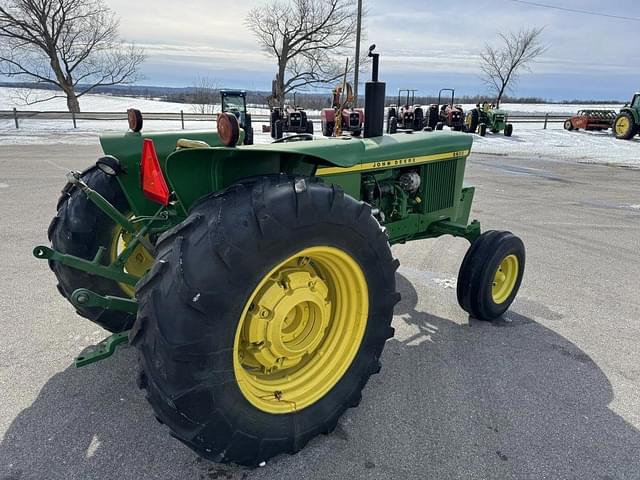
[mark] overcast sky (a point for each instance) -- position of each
(425, 44)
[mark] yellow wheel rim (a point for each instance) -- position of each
(505, 279)
(137, 264)
(468, 119)
(300, 330)
(622, 125)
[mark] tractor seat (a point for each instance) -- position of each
(188, 143)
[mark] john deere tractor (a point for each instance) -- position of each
(486, 116)
(257, 283)
(627, 123)
(235, 102)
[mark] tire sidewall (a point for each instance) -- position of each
(511, 246)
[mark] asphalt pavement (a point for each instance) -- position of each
(552, 391)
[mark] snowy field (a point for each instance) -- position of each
(528, 140)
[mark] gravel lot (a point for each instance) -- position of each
(553, 391)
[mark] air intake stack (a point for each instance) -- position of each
(374, 100)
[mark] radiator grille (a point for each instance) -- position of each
(440, 179)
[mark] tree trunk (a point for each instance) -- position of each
(72, 102)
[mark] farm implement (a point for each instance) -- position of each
(591, 120)
(257, 283)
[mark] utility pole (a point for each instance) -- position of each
(357, 63)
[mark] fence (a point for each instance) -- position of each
(543, 118)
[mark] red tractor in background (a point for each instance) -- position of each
(448, 114)
(342, 117)
(405, 115)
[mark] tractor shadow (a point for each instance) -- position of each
(471, 399)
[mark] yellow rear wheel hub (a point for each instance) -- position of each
(622, 125)
(137, 264)
(300, 330)
(504, 280)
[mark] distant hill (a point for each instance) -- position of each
(310, 100)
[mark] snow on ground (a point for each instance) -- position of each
(555, 143)
(528, 139)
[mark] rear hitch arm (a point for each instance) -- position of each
(102, 350)
(86, 298)
(94, 266)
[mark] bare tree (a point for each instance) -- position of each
(502, 65)
(309, 39)
(204, 96)
(72, 45)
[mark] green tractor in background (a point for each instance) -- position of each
(627, 123)
(235, 102)
(257, 283)
(486, 117)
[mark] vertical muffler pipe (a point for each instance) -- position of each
(374, 101)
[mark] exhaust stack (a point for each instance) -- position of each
(374, 100)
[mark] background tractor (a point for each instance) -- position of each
(448, 114)
(627, 123)
(257, 283)
(235, 102)
(342, 117)
(405, 115)
(290, 119)
(486, 117)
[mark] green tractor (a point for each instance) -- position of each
(257, 283)
(235, 102)
(627, 123)
(486, 116)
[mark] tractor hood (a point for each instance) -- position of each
(351, 151)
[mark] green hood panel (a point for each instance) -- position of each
(351, 151)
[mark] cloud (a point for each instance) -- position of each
(419, 39)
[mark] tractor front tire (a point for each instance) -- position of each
(439, 125)
(264, 317)
(309, 128)
(508, 130)
(624, 126)
(568, 125)
(482, 129)
(491, 274)
(80, 228)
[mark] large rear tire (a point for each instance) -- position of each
(79, 229)
(226, 368)
(471, 121)
(624, 126)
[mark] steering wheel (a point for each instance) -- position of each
(295, 138)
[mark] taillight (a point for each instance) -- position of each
(154, 185)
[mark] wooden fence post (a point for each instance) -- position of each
(182, 118)
(15, 117)
(546, 120)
